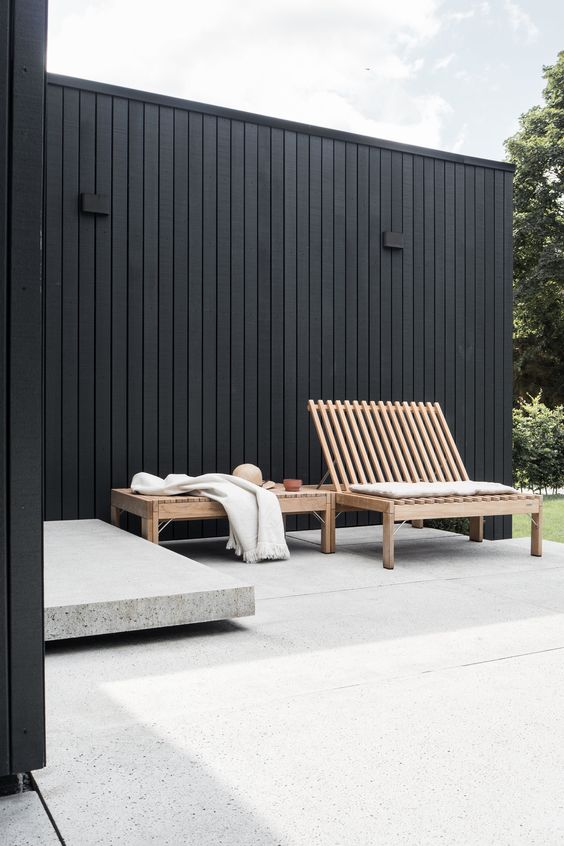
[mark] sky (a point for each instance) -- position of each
(450, 75)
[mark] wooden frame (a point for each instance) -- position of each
(371, 442)
(157, 510)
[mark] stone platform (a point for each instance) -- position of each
(102, 580)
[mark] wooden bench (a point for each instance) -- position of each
(157, 511)
(371, 442)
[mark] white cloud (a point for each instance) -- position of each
(443, 63)
(344, 64)
(520, 21)
(482, 8)
(460, 139)
(461, 16)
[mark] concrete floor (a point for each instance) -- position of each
(359, 706)
(24, 822)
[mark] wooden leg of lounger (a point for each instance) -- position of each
(328, 527)
(417, 524)
(477, 529)
(388, 520)
(116, 514)
(150, 529)
(536, 532)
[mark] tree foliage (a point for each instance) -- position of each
(538, 445)
(537, 150)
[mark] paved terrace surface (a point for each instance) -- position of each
(24, 822)
(359, 706)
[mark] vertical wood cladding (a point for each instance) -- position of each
(22, 85)
(241, 272)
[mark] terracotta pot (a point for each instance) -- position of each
(292, 484)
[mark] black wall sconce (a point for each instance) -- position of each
(95, 203)
(394, 240)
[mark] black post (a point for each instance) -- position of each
(22, 83)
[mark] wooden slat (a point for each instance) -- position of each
(361, 417)
(358, 437)
(396, 414)
(445, 473)
(450, 442)
(418, 451)
(350, 441)
(430, 450)
(118, 291)
(385, 442)
(150, 308)
(351, 475)
(313, 410)
(387, 473)
(418, 473)
(53, 302)
(102, 312)
(342, 475)
(428, 474)
(289, 251)
(386, 412)
(86, 306)
(449, 458)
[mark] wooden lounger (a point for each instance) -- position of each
(376, 442)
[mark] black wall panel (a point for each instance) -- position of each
(240, 272)
(22, 84)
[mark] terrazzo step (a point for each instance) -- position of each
(102, 580)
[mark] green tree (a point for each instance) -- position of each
(537, 151)
(538, 445)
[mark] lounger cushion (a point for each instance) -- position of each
(402, 490)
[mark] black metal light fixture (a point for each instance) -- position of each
(95, 203)
(394, 240)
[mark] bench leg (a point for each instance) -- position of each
(417, 524)
(150, 529)
(536, 533)
(116, 514)
(328, 528)
(477, 529)
(388, 552)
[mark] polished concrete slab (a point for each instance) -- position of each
(23, 822)
(358, 706)
(102, 580)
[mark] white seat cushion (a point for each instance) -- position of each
(403, 490)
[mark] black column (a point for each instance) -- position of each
(22, 82)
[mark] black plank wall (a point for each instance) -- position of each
(22, 83)
(239, 272)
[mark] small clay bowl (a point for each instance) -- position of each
(292, 484)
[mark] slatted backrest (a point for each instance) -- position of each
(386, 442)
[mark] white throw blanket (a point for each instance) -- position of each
(256, 528)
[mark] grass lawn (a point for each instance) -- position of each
(553, 528)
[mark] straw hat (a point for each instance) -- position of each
(252, 474)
